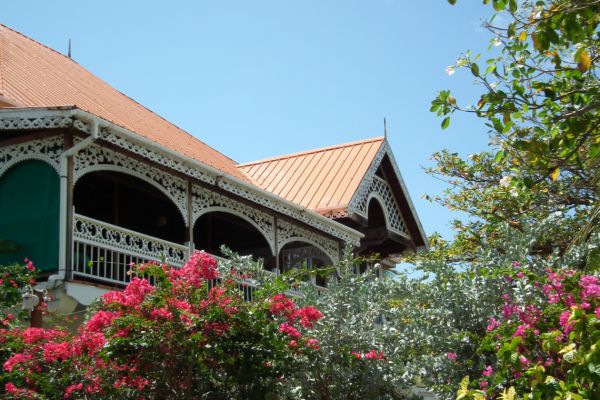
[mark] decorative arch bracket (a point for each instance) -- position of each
(373, 186)
(98, 158)
(47, 150)
(204, 201)
(287, 233)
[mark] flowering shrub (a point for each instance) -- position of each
(546, 345)
(360, 356)
(183, 337)
(13, 278)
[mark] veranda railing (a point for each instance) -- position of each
(105, 253)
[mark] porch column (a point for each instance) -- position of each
(66, 212)
(276, 245)
(189, 234)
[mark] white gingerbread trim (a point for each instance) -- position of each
(98, 158)
(303, 216)
(205, 201)
(47, 150)
(21, 118)
(380, 190)
(373, 184)
(156, 157)
(411, 205)
(36, 122)
(287, 233)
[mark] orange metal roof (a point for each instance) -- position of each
(323, 180)
(33, 75)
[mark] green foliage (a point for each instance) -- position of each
(184, 337)
(13, 278)
(545, 346)
(540, 100)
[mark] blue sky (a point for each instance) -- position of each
(259, 78)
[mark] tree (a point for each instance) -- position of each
(540, 100)
(531, 198)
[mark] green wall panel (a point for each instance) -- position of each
(29, 213)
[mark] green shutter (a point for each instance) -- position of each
(29, 213)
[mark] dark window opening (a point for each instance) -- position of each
(128, 202)
(215, 229)
(304, 255)
(376, 216)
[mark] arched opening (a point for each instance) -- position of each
(298, 254)
(217, 228)
(377, 237)
(29, 216)
(376, 216)
(128, 202)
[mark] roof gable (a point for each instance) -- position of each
(33, 75)
(339, 182)
(324, 180)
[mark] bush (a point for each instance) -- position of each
(184, 337)
(545, 343)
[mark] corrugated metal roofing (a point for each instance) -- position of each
(323, 180)
(33, 75)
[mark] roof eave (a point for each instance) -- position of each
(74, 112)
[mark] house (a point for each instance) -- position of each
(91, 181)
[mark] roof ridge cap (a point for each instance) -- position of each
(312, 151)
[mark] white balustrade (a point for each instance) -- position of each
(105, 252)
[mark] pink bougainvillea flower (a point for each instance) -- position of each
(590, 286)
(313, 343)
(521, 330)
(452, 356)
(308, 316)
(564, 322)
(375, 355)
(282, 305)
(488, 371)
(101, 320)
(15, 360)
(492, 324)
(161, 313)
(289, 330)
(73, 388)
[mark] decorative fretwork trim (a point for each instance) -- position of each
(205, 201)
(63, 118)
(287, 233)
(97, 158)
(47, 150)
(289, 211)
(31, 123)
(111, 237)
(291, 257)
(381, 191)
(156, 157)
(373, 186)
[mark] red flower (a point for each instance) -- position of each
(289, 330)
(308, 315)
(375, 355)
